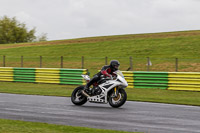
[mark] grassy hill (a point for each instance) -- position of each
(162, 48)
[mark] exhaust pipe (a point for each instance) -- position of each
(85, 94)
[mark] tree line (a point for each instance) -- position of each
(13, 31)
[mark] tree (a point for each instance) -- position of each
(12, 31)
(41, 38)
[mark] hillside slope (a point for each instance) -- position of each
(161, 47)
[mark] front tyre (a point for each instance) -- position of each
(77, 97)
(118, 101)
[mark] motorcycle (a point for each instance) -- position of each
(107, 90)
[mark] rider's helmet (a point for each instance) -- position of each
(114, 64)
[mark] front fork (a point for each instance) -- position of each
(115, 93)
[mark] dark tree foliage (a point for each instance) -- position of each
(12, 31)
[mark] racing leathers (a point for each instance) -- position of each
(106, 70)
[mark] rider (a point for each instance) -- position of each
(106, 70)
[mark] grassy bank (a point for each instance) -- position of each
(162, 48)
(13, 126)
(147, 95)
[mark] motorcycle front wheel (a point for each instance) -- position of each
(77, 97)
(118, 101)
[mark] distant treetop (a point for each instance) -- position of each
(12, 31)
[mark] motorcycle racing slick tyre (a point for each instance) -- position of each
(118, 101)
(77, 97)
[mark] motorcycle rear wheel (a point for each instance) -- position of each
(118, 101)
(77, 97)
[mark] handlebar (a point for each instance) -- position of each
(109, 78)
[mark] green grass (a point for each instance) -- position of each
(142, 94)
(162, 48)
(169, 45)
(137, 47)
(36, 89)
(13, 126)
(164, 96)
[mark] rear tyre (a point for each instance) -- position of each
(77, 97)
(119, 100)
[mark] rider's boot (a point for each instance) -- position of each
(86, 91)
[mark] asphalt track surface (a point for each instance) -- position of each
(133, 116)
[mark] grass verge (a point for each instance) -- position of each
(146, 95)
(14, 126)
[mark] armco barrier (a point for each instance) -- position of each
(136, 79)
(146, 79)
(184, 81)
(43, 75)
(163, 80)
(6, 74)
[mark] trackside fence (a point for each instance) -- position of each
(43, 75)
(96, 63)
(163, 80)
